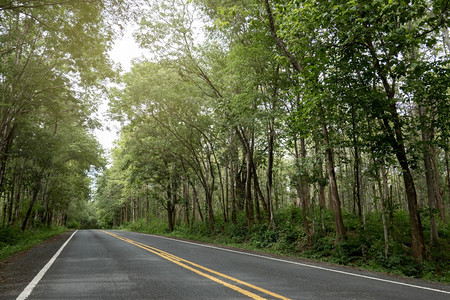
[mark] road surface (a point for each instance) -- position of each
(96, 264)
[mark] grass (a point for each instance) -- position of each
(12, 240)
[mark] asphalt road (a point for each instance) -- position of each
(123, 265)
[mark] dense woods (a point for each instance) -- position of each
(310, 122)
(53, 66)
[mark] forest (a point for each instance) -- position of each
(305, 127)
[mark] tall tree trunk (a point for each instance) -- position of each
(186, 201)
(302, 185)
(256, 198)
(397, 143)
(395, 137)
(384, 195)
(321, 185)
(170, 207)
(271, 143)
(447, 165)
(227, 192)
(239, 179)
(209, 201)
(147, 207)
(33, 200)
(430, 177)
(439, 192)
(357, 167)
(270, 172)
(434, 192)
(222, 194)
(334, 194)
(6, 140)
(19, 192)
(170, 215)
(250, 171)
(10, 203)
(133, 209)
(248, 193)
(232, 179)
(341, 186)
(196, 200)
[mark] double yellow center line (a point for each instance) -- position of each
(198, 269)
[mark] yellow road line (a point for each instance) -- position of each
(183, 263)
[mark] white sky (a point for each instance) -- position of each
(125, 49)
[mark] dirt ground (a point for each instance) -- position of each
(17, 271)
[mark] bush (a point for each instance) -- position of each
(13, 240)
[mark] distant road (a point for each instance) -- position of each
(99, 264)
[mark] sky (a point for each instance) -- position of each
(125, 49)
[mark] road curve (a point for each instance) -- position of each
(99, 264)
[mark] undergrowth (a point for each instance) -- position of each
(13, 240)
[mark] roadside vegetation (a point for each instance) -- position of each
(13, 240)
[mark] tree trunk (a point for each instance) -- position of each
(256, 202)
(395, 137)
(302, 185)
(171, 215)
(397, 143)
(357, 167)
(170, 207)
(10, 204)
(447, 183)
(249, 212)
(439, 192)
(334, 194)
(270, 172)
(186, 201)
(209, 200)
(321, 186)
(33, 199)
(147, 207)
(431, 185)
(417, 236)
(434, 191)
(232, 179)
(383, 190)
(222, 194)
(19, 192)
(6, 140)
(227, 192)
(194, 189)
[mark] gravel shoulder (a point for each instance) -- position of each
(17, 271)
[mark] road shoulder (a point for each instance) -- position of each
(18, 270)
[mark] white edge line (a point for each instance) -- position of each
(306, 265)
(27, 291)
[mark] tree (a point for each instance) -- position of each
(52, 64)
(378, 36)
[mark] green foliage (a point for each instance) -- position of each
(12, 240)
(53, 67)
(153, 226)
